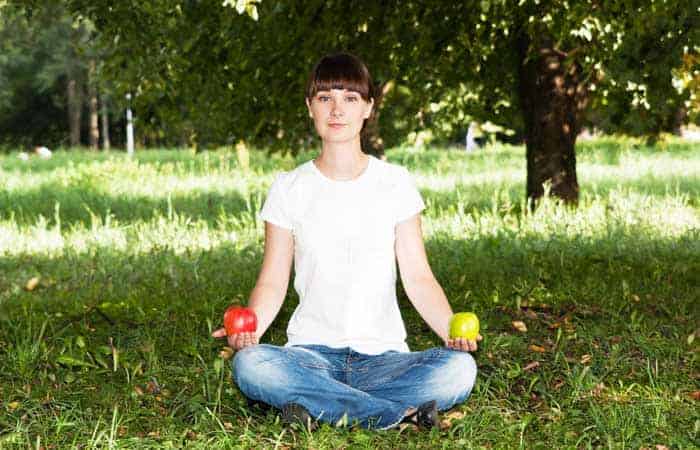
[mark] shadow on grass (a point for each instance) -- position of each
(181, 291)
(157, 309)
(77, 205)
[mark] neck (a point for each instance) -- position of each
(342, 160)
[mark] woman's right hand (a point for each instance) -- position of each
(237, 341)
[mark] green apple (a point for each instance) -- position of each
(464, 325)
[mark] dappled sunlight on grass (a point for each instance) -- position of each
(113, 272)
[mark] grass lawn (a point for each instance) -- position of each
(113, 272)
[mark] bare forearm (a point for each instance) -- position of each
(266, 300)
(430, 301)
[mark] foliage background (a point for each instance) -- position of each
(206, 74)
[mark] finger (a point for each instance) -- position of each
(479, 338)
(243, 340)
(221, 332)
(464, 345)
(238, 341)
(472, 346)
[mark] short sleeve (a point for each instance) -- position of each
(408, 200)
(275, 208)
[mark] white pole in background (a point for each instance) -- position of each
(129, 127)
(470, 143)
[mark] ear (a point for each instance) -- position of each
(308, 106)
(370, 106)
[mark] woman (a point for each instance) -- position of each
(345, 218)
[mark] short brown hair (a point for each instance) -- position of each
(340, 71)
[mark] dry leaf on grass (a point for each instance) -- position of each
(448, 418)
(532, 365)
(530, 314)
(32, 284)
(597, 390)
(586, 359)
(152, 387)
(536, 348)
(695, 395)
(558, 383)
(519, 325)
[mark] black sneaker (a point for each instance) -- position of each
(295, 413)
(258, 406)
(426, 416)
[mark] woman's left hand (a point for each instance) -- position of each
(464, 345)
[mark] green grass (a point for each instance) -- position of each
(137, 260)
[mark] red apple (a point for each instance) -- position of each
(238, 319)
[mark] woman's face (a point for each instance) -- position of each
(338, 114)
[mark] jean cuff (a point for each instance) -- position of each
(393, 424)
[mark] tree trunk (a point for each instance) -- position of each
(105, 124)
(552, 97)
(372, 142)
(679, 119)
(75, 103)
(94, 119)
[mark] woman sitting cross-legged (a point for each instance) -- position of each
(344, 219)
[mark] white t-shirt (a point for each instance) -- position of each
(344, 259)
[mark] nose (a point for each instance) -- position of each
(336, 110)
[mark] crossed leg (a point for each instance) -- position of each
(412, 379)
(279, 375)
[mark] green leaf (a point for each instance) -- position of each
(74, 362)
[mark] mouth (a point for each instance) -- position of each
(336, 125)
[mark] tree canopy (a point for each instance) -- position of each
(206, 71)
(35, 56)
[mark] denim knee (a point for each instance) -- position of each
(257, 369)
(456, 378)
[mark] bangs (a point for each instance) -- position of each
(341, 71)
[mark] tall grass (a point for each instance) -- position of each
(137, 258)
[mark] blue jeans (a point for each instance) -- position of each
(334, 384)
